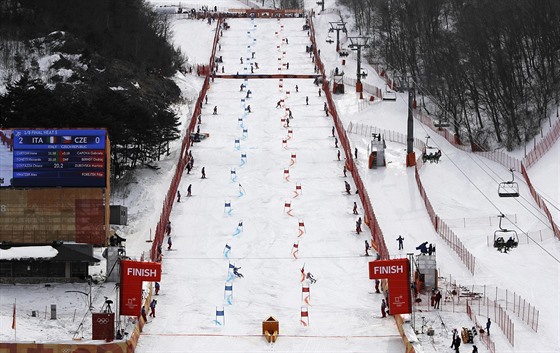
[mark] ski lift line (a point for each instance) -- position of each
(496, 207)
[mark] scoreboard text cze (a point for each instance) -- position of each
(59, 158)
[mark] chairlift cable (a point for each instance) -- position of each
(494, 205)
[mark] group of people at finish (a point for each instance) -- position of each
(456, 340)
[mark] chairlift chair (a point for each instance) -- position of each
(505, 239)
(508, 188)
(427, 145)
(389, 94)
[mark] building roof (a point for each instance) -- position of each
(54, 252)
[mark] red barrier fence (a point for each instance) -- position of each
(369, 216)
(539, 200)
(483, 337)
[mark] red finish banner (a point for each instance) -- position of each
(133, 273)
(397, 272)
(140, 271)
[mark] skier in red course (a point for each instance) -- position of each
(347, 187)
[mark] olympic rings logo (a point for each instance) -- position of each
(102, 321)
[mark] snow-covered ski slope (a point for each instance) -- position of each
(342, 312)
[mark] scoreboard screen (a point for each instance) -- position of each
(56, 157)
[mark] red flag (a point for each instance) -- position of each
(14, 318)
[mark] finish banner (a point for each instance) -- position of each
(133, 273)
(397, 273)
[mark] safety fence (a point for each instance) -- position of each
(369, 216)
(444, 231)
(495, 312)
(371, 89)
(540, 148)
(483, 337)
(507, 299)
(539, 200)
(479, 221)
(388, 135)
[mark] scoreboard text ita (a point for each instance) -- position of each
(59, 158)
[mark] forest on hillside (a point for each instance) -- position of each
(490, 66)
(120, 59)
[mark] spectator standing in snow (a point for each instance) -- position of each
(143, 312)
(347, 187)
(488, 323)
(457, 343)
(356, 153)
(344, 170)
(153, 304)
(355, 208)
(335, 142)
(156, 286)
(377, 282)
(338, 155)
(215, 112)
(306, 100)
(203, 173)
(383, 308)
(455, 335)
(178, 196)
(189, 189)
(168, 228)
(169, 243)
(438, 299)
(400, 239)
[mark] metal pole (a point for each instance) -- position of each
(358, 66)
(337, 40)
(410, 130)
(411, 279)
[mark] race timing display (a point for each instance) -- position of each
(56, 157)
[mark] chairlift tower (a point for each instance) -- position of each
(322, 3)
(337, 26)
(357, 43)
